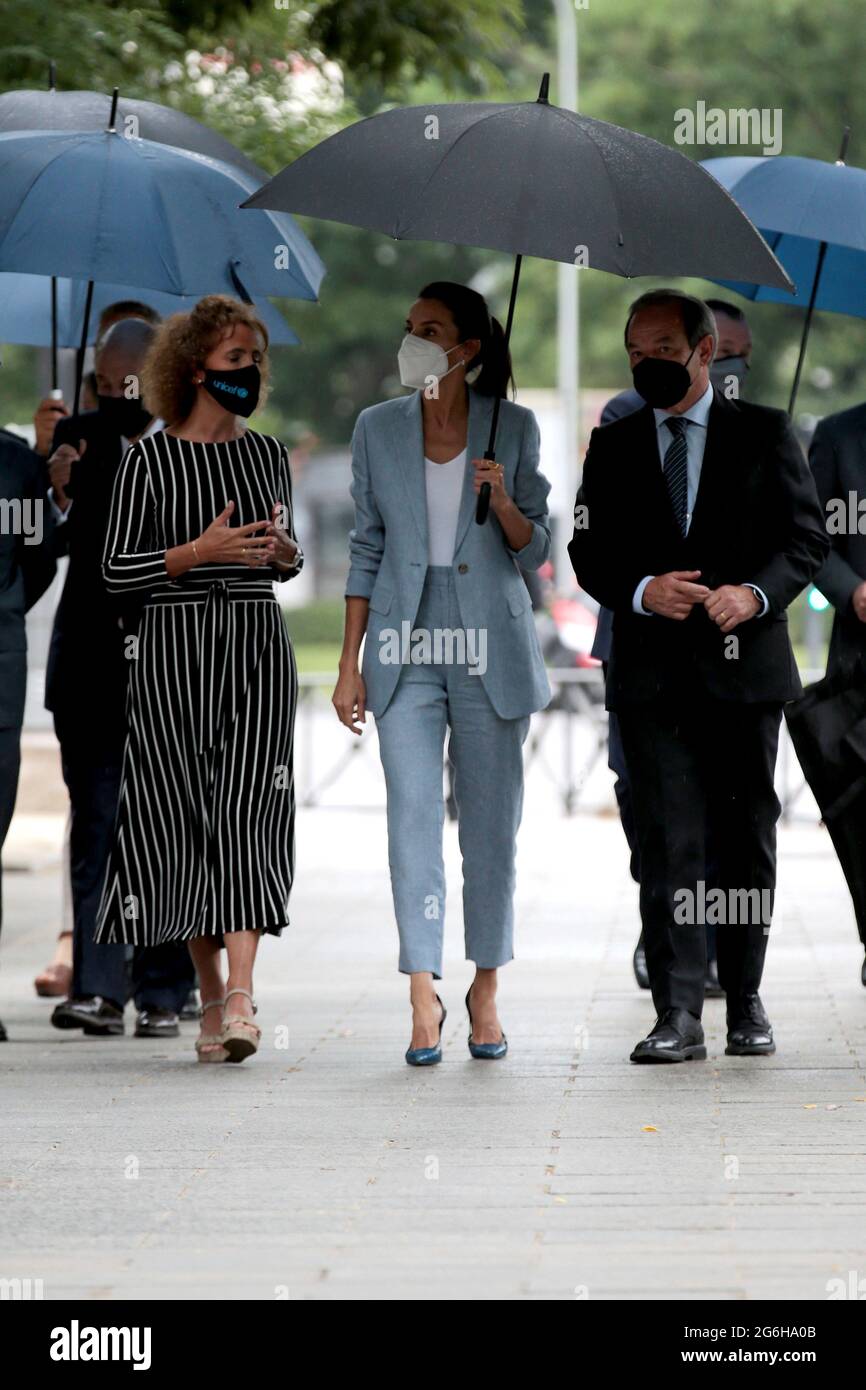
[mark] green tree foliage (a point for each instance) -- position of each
(278, 77)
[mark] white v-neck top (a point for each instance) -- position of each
(444, 482)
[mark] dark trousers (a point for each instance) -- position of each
(161, 977)
(622, 791)
(10, 765)
(701, 774)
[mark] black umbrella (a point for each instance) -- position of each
(531, 179)
(828, 730)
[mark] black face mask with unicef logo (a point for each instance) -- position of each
(237, 390)
(662, 383)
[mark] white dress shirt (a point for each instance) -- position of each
(696, 442)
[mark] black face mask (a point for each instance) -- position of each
(124, 416)
(662, 383)
(237, 390)
(723, 368)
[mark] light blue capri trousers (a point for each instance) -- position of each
(486, 753)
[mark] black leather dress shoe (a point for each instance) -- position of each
(676, 1037)
(157, 1023)
(749, 1030)
(712, 988)
(638, 961)
(99, 1018)
(4, 1036)
(863, 973)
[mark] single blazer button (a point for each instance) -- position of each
(462, 569)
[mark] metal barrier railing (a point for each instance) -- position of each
(578, 700)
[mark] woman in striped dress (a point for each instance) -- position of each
(200, 526)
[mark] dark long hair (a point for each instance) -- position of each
(470, 313)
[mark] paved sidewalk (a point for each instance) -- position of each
(326, 1169)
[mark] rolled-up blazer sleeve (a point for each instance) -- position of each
(531, 490)
(367, 537)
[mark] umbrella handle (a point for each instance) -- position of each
(482, 506)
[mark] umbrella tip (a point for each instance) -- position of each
(544, 89)
(113, 117)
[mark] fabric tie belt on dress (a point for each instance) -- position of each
(216, 652)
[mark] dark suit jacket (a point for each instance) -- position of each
(87, 670)
(25, 570)
(756, 519)
(838, 459)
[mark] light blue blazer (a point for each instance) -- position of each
(389, 546)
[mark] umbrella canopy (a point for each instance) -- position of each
(798, 203)
(25, 310)
(97, 206)
(813, 215)
(71, 111)
(531, 179)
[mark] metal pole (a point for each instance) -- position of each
(819, 266)
(568, 307)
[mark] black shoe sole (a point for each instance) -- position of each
(110, 1031)
(64, 1022)
(157, 1032)
(750, 1049)
(698, 1053)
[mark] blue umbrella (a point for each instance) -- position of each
(813, 215)
(94, 205)
(100, 206)
(25, 310)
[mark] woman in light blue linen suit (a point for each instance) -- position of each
(450, 639)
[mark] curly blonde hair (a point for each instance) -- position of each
(180, 347)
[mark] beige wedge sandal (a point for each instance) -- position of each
(240, 1037)
(209, 1046)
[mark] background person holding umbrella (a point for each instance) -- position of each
(420, 563)
(86, 684)
(200, 526)
(55, 980)
(839, 467)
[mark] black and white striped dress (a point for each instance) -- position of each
(204, 837)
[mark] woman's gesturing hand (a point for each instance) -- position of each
(350, 700)
(285, 549)
(222, 544)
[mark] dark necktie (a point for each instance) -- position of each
(676, 470)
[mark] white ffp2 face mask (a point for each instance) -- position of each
(419, 360)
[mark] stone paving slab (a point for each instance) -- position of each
(335, 1172)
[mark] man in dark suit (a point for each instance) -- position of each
(86, 692)
(697, 524)
(26, 569)
(838, 459)
(728, 371)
